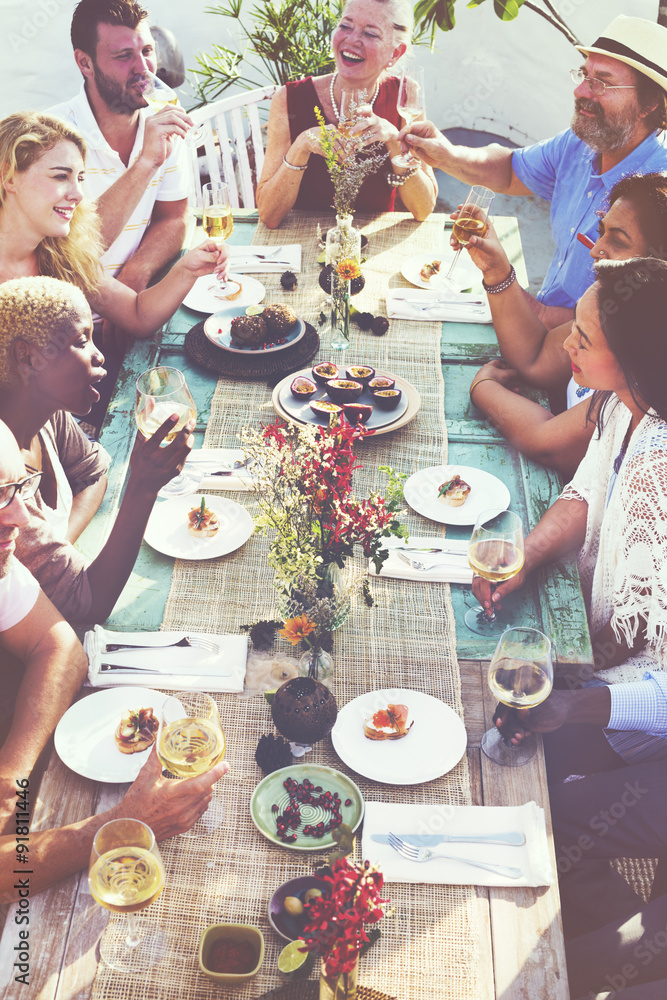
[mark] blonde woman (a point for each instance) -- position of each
(370, 38)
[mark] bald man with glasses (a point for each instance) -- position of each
(620, 113)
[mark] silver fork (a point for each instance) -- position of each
(423, 567)
(421, 854)
(191, 640)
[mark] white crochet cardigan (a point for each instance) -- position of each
(623, 561)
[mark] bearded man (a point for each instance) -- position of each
(136, 169)
(620, 113)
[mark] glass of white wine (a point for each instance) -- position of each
(191, 741)
(160, 392)
(217, 218)
(410, 104)
(158, 96)
(495, 552)
(125, 875)
(350, 102)
(520, 676)
(473, 220)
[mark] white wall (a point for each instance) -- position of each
(509, 78)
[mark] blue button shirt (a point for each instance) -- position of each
(564, 171)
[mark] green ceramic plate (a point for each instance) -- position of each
(271, 791)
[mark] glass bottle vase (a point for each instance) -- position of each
(340, 987)
(318, 664)
(343, 250)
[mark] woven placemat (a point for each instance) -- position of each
(311, 991)
(272, 366)
(430, 943)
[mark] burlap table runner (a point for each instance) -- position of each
(428, 946)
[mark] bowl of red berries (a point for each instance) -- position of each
(299, 807)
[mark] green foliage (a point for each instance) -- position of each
(290, 39)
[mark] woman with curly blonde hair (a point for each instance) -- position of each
(46, 228)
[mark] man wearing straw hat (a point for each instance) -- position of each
(620, 112)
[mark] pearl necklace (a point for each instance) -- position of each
(333, 100)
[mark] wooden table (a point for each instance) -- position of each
(522, 950)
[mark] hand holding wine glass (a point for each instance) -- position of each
(158, 95)
(496, 554)
(472, 220)
(217, 218)
(161, 392)
(190, 742)
(125, 875)
(520, 676)
(410, 104)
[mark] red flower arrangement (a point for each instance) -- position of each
(336, 929)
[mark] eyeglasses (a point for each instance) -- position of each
(25, 489)
(597, 87)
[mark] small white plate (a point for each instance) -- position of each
(433, 746)
(466, 274)
(203, 296)
(84, 737)
(421, 492)
(217, 330)
(167, 528)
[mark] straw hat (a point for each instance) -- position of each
(637, 42)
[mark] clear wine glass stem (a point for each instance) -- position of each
(454, 263)
(133, 933)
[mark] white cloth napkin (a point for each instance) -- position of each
(180, 668)
(532, 857)
(206, 460)
(244, 259)
(447, 567)
(463, 307)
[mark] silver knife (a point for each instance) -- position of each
(417, 301)
(151, 670)
(511, 839)
(416, 548)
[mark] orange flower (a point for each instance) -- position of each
(297, 629)
(348, 269)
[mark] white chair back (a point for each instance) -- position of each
(230, 124)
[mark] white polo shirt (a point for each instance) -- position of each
(18, 594)
(104, 166)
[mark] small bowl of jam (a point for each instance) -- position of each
(231, 953)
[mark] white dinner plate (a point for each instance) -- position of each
(421, 492)
(167, 528)
(433, 746)
(466, 274)
(217, 330)
(300, 409)
(203, 296)
(84, 737)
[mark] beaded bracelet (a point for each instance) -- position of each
(292, 166)
(502, 285)
(396, 180)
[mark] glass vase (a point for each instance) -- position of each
(340, 987)
(343, 247)
(318, 664)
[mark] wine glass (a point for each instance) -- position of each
(191, 741)
(125, 875)
(473, 220)
(158, 96)
(410, 104)
(521, 676)
(161, 392)
(348, 116)
(495, 552)
(217, 218)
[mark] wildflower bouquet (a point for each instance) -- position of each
(336, 928)
(348, 166)
(304, 491)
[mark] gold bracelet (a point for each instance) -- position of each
(485, 378)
